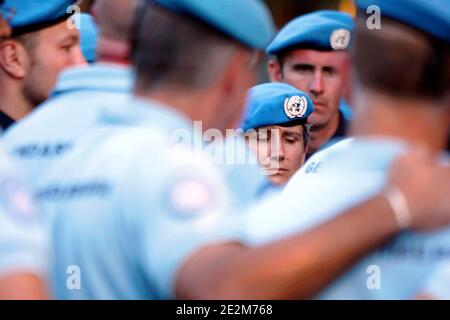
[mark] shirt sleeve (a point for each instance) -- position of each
(243, 176)
(23, 242)
(182, 206)
(438, 284)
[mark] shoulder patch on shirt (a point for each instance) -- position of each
(17, 200)
(190, 197)
(195, 192)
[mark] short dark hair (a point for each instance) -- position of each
(172, 50)
(28, 40)
(306, 134)
(408, 63)
(306, 129)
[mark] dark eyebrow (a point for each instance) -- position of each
(304, 66)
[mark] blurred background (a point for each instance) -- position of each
(285, 10)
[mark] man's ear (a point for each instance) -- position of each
(274, 71)
(232, 76)
(234, 83)
(14, 59)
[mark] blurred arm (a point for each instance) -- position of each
(302, 265)
(22, 286)
(297, 267)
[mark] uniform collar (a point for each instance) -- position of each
(372, 145)
(341, 131)
(363, 153)
(5, 121)
(146, 113)
(340, 134)
(95, 77)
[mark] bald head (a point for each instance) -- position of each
(115, 17)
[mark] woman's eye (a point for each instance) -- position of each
(291, 141)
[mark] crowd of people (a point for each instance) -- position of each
(141, 159)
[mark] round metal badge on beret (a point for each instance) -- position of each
(295, 106)
(340, 39)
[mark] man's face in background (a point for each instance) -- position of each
(320, 74)
(49, 51)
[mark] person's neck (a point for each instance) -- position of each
(413, 121)
(190, 104)
(111, 50)
(13, 103)
(320, 135)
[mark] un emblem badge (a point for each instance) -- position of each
(295, 106)
(340, 39)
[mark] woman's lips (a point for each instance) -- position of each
(275, 171)
(318, 104)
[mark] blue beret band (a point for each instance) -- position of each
(18, 31)
(429, 16)
(320, 30)
(276, 104)
(26, 16)
(248, 22)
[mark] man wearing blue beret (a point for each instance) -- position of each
(277, 113)
(40, 46)
(23, 260)
(311, 53)
(48, 133)
(174, 87)
(80, 94)
(402, 97)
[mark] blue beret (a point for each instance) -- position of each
(32, 15)
(248, 22)
(323, 30)
(276, 103)
(88, 36)
(430, 16)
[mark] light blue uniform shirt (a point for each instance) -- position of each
(37, 141)
(237, 164)
(23, 246)
(438, 283)
(128, 206)
(332, 181)
(80, 96)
